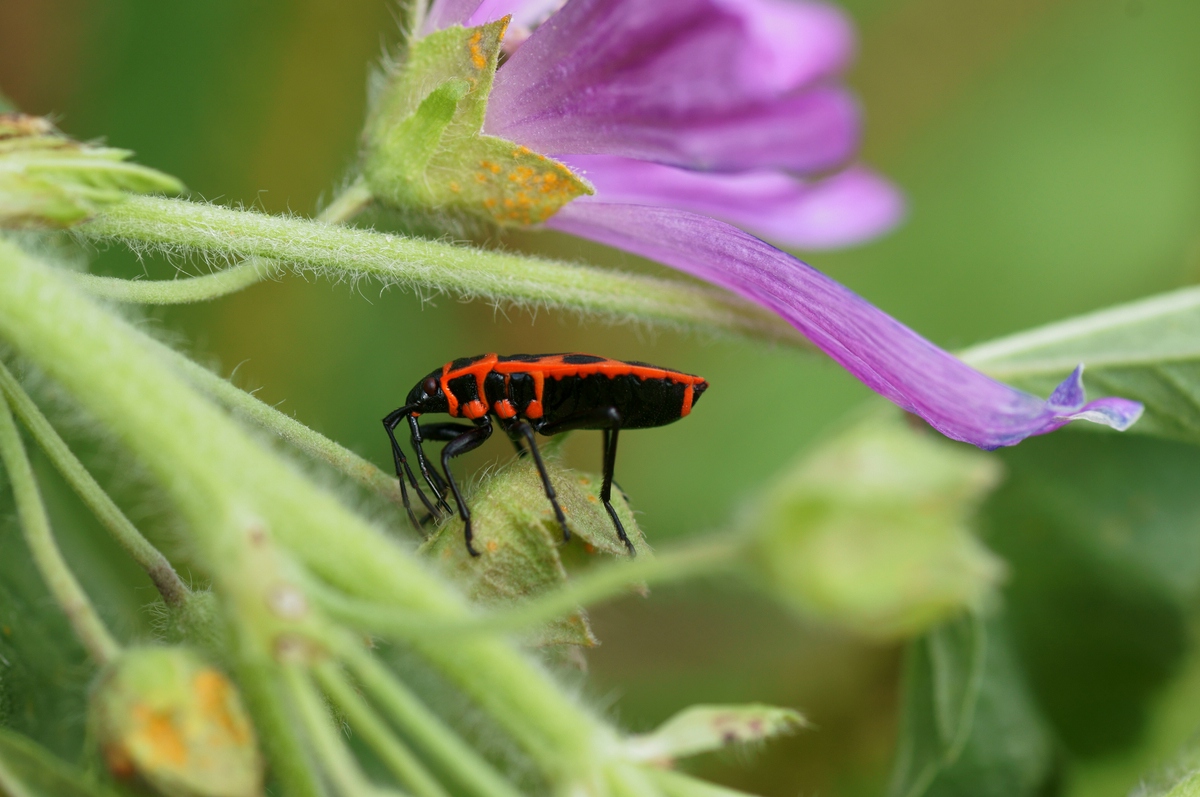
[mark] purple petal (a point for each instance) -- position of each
(1068, 401)
(847, 208)
(525, 13)
(444, 13)
(721, 84)
(887, 356)
(790, 44)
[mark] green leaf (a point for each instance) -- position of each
(1100, 535)
(872, 530)
(1147, 350)
(969, 726)
(425, 145)
(520, 542)
(700, 729)
(38, 772)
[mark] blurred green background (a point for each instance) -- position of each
(1050, 150)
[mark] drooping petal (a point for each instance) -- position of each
(847, 208)
(714, 84)
(887, 356)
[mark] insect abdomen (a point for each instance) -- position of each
(552, 387)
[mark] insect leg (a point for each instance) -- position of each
(515, 438)
(437, 432)
(608, 419)
(525, 430)
(466, 441)
(402, 468)
(610, 461)
(431, 477)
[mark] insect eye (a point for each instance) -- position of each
(430, 386)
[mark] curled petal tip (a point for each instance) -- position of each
(1069, 394)
(1070, 404)
(1117, 413)
(885, 355)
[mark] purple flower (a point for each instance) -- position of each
(681, 113)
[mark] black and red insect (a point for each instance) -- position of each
(527, 394)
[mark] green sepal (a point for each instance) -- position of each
(50, 181)
(425, 148)
(520, 543)
(700, 729)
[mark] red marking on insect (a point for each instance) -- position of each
(544, 394)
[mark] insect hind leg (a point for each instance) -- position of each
(609, 420)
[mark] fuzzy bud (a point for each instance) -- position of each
(50, 181)
(165, 716)
(522, 553)
(872, 531)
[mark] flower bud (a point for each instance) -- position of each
(425, 146)
(165, 716)
(50, 181)
(871, 530)
(521, 546)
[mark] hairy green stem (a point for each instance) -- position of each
(421, 264)
(353, 200)
(452, 755)
(215, 473)
(291, 765)
(46, 556)
(336, 759)
(407, 768)
(344, 207)
(600, 584)
(10, 784)
(180, 291)
(312, 443)
(169, 585)
(677, 784)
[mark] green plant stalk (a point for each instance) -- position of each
(677, 784)
(344, 207)
(407, 768)
(180, 291)
(216, 473)
(353, 199)
(439, 742)
(312, 443)
(488, 274)
(11, 785)
(169, 585)
(291, 765)
(46, 556)
(603, 583)
(330, 749)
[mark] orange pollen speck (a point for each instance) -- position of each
(492, 546)
(213, 694)
(476, 53)
(158, 735)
